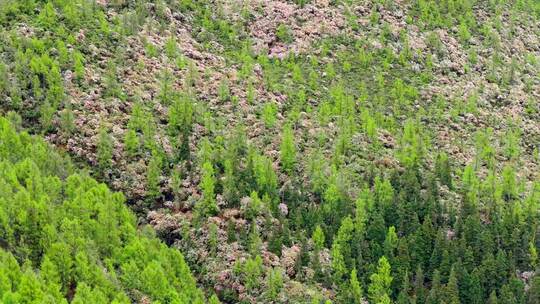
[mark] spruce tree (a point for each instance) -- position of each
(452, 288)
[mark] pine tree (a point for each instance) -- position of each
(493, 298)
(213, 300)
(533, 294)
(452, 288)
(443, 170)
(380, 282)
(403, 296)
(231, 232)
(131, 143)
(207, 205)
(390, 242)
(254, 241)
(318, 242)
(509, 183)
(78, 66)
(288, 150)
(354, 288)
(274, 283)
(419, 288)
(318, 238)
(153, 175)
(213, 238)
(533, 255)
(269, 113)
(338, 263)
(360, 218)
(252, 272)
(67, 121)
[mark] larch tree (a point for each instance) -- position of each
(380, 282)
(207, 205)
(288, 150)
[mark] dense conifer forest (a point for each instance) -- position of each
(270, 151)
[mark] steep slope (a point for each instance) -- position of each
(303, 150)
(65, 237)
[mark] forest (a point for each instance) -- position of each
(270, 151)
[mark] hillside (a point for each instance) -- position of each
(65, 237)
(291, 151)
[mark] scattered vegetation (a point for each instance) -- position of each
(293, 151)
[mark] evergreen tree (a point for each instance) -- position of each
(274, 283)
(533, 294)
(338, 262)
(443, 170)
(213, 238)
(390, 242)
(403, 296)
(380, 282)
(355, 289)
(207, 205)
(492, 298)
(318, 238)
(252, 271)
(288, 150)
(452, 288)
(131, 143)
(419, 288)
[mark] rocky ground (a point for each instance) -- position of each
(463, 97)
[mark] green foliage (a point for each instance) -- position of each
(288, 150)
(283, 33)
(252, 270)
(318, 238)
(131, 143)
(355, 288)
(412, 146)
(207, 205)
(254, 206)
(171, 48)
(269, 114)
(224, 92)
(181, 118)
(444, 170)
(68, 230)
(78, 66)
(379, 287)
(112, 85)
(213, 238)
(348, 95)
(274, 283)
